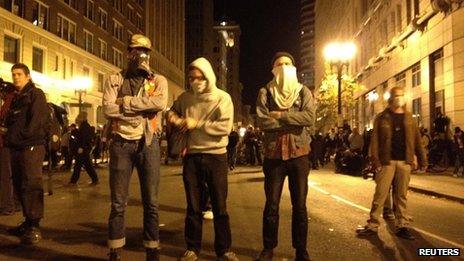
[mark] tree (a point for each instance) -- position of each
(327, 97)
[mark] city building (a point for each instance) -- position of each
(226, 62)
(307, 30)
(417, 44)
(71, 45)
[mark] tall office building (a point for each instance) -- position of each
(199, 22)
(65, 40)
(307, 31)
(416, 44)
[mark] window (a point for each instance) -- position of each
(416, 75)
(437, 59)
(117, 4)
(71, 68)
(440, 101)
(103, 50)
(57, 63)
(40, 15)
(89, 9)
(88, 38)
(103, 19)
(101, 81)
(14, 6)
(71, 3)
(66, 29)
(117, 30)
(401, 79)
(399, 18)
(129, 35)
(64, 68)
(86, 71)
(417, 110)
(130, 13)
(117, 58)
(11, 49)
(139, 22)
(37, 59)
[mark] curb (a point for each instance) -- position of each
(436, 194)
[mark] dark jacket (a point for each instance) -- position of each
(380, 147)
(27, 119)
(85, 137)
(294, 121)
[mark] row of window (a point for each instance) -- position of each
(67, 65)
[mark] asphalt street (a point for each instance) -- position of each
(75, 223)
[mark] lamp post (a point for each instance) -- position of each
(81, 85)
(338, 54)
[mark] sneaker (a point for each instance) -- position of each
(189, 255)
(388, 216)
(94, 183)
(302, 255)
(405, 233)
(228, 256)
(32, 236)
(152, 254)
(265, 255)
(19, 230)
(114, 254)
(208, 215)
(366, 231)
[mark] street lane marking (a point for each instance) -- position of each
(313, 186)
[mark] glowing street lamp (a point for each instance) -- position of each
(338, 54)
(80, 86)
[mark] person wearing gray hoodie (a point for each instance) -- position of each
(204, 114)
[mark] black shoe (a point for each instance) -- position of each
(302, 255)
(388, 216)
(94, 183)
(19, 230)
(32, 236)
(115, 254)
(152, 254)
(405, 233)
(265, 255)
(365, 231)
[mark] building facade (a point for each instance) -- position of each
(226, 63)
(307, 31)
(416, 44)
(199, 22)
(67, 41)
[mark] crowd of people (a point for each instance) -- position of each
(200, 130)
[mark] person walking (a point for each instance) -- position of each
(285, 110)
(205, 114)
(132, 101)
(394, 143)
(26, 125)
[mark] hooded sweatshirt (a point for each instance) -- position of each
(214, 111)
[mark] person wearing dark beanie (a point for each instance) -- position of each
(277, 55)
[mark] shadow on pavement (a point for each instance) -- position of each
(388, 253)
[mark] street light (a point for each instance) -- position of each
(338, 54)
(80, 86)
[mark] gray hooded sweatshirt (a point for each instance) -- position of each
(213, 110)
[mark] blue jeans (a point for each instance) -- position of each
(124, 156)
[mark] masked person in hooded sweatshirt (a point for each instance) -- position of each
(132, 100)
(395, 142)
(285, 111)
(205, 113)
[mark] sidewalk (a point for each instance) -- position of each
(442, 185)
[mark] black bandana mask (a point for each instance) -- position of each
(139, 62)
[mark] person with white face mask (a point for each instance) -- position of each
(394, 143)
(285, 111)
(205, 114)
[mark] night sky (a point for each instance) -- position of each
(267, 26)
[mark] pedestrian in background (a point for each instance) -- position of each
(285, 110)
(26, 133)
(205, 114)
(394, 143)
(132, 101)
(232, 149)
(459, 143)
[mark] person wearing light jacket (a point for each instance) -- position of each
(205, 114)
(285, 111)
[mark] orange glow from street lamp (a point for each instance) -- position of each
(339, 51)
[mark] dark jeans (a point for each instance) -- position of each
(212, 169)
(26, 166)
(232, 156)
(7, 197)
(275, 171)
(83, 159)
(124, 155)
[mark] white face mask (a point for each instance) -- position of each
(398, 102)
(198, 87)
(285, 73)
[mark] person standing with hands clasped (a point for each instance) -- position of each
(395, 142)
